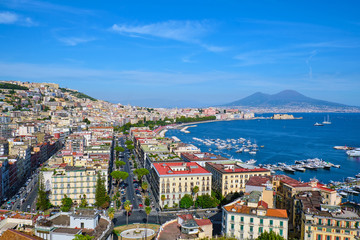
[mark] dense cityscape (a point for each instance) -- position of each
(169, 120)
(73, 166)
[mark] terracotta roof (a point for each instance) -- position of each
(280, 213)
(244, 209)
(186, 216)
(291, 182)
(12, 234)
(175, 168)
(258, 180)
(203, 222)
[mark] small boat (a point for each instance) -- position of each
(298, 168)
(353, 153)
(327, 166)
(288, 169)
(252, 152)
(318, 124)
(357, 175)
(336, 166)
(309, 166)
(251, 161)
(326, 121)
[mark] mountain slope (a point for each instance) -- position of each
(287, 98)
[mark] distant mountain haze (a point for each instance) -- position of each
(286, 98)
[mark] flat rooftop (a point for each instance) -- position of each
(176, 168)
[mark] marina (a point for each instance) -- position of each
(288, 142)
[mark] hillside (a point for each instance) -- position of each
(284, 99)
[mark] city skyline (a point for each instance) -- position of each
(186, 52)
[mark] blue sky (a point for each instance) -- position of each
(184, 52)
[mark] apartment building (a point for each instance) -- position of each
(248, 217)
(174, 180)
(232, 176)
(73, 181)
(318, 221)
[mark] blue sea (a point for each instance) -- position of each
(288, 140)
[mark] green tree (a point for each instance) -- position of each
(119, 175)
(111, 213)
(83, 202)
(206, 201)
(141, 172)
(101, 197)
(186, 201)
(130, 147)
(66, 203)
(118, 164)
(163, 198)
(83, 237)
(144, 186)
(147, 201)
(270, 236)
(43, 202)
(147, 211)
(194, 191)
(128, 142)
(127, 208)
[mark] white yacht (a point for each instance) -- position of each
(353, 153)
(326, 121)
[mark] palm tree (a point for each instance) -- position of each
(163, 199)
(127, 209)
(111, 213)
(147, 211)
(195, 190)
(144, 186)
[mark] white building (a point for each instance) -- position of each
(248, 217)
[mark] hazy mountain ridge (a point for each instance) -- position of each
(284, 99)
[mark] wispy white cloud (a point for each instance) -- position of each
(13, 18)
(35, 5)
(334, 44)
(183, 31)
(313, 54)
(73, 41)
(8, 18)
(268, 56)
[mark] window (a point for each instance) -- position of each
(82, 225)
(338, 223)
(281, 223)
(242, 219)
(271, 222)
(232, 226)
(318, 237)
(329, 222)
(251, 220)
(260, 230)
(251, 228)
(261, 221)
(337, 238)
(327, 237)
(241, 227)
(281, 232)
(320, 222)
(232, 218)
